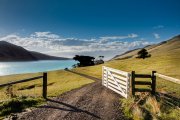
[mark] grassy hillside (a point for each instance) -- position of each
(165, 59)
(156, 49)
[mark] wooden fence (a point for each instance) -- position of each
(44, 76)
(119, 81)
(146, 83)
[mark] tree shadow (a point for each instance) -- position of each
(69, 108)
(84, 75)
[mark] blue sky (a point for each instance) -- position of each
(74, 22)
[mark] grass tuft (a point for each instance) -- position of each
(18, 105)
(153, 108)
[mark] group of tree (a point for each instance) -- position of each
(84, 60)
(87, 60)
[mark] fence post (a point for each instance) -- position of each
(153, 86)
(44, 85)
(133, 83)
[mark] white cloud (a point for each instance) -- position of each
(157, 36)
(53, 44)
(45, 35)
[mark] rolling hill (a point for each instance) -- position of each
(172, 45)
(11, 52)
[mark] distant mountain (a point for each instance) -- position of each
(156, 49)
(11, 52)
(41, 56)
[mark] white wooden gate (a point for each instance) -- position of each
(116, 80)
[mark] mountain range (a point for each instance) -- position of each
(11, 52)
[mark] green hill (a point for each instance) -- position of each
(169, 46)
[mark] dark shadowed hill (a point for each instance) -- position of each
(41, 56)
(155, 49)
(11, 52)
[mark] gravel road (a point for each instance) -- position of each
(90, 102)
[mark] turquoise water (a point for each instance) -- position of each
(9, 68)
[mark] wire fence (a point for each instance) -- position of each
(30, 87)
(168, 87)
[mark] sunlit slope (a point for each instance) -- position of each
(165, 59)
(164, 47)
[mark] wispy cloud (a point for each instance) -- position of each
(157, 36)
(119, 37)
(47, 42)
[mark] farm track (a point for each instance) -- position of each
(90, 102)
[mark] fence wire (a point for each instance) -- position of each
(27, 89)
(168, 87)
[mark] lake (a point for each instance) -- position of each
(9, 68)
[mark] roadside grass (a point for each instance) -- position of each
(58, 82)
(18, 104)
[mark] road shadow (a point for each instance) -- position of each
(84, 75)
(68, 108)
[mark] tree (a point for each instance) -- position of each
(84, 60)
(143, 53)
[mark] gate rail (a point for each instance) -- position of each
(116, 80)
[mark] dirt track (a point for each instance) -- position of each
(90, 102)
